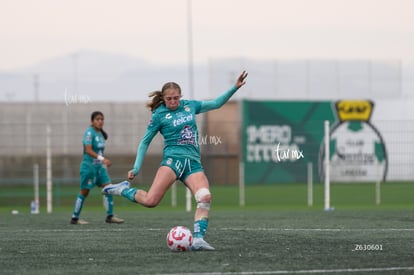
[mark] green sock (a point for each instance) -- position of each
(200, 227)
(109, 205)
(129, 193)
(78, 206)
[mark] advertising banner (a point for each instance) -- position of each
(281, 138)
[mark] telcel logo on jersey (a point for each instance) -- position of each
(182, 120)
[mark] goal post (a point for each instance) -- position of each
(242, 196)
(310, 183)
(49, 194)
(34, 206)
(174, 197)
(326, 163)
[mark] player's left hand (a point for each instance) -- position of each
(241, 79)
(131, 175)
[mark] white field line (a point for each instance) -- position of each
(84, 229)
(316, 229)
(304, 271)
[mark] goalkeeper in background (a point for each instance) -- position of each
(175, 120)
(93, 169)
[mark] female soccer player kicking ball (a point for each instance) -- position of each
(175, 120)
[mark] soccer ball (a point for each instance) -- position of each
(179, 238)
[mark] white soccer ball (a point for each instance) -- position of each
(179, 238)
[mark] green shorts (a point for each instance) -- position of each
(91, 175)
(182, 167)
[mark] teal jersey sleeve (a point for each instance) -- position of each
(96, 141)
(218, 102)
(152, 129)
(88, 136)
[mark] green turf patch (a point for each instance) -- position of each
(394, 195)
(249, 241)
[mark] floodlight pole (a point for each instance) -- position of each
(190, 76)
(190, 49)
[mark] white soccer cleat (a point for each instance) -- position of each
(113, 219)
(77, 221)
(199, 244)
(115, 189)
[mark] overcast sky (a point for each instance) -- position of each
(156, 30)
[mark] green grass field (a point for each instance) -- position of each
(275, 233)
(394, 195)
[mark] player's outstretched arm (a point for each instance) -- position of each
(141, 150)
(143, 147)
(223, 98)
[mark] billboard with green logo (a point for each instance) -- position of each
(281, 138)
(357, 149)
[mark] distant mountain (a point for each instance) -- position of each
(96, 75)
(102, 76)
(87, 62)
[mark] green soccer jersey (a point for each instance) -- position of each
(179, 128)
(97, 141)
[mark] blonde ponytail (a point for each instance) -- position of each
(156, 100)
